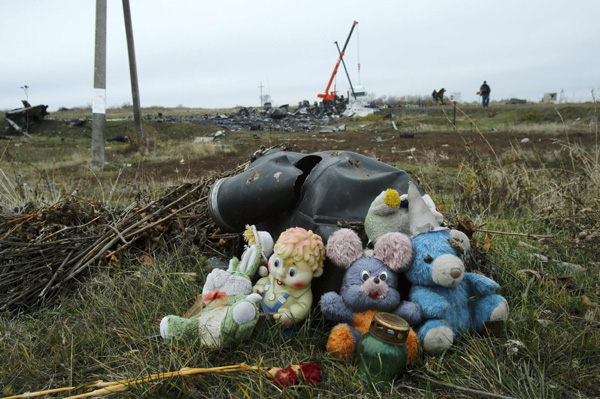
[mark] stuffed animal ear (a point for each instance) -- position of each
(395, 250)
(344, 247)
(460, 242)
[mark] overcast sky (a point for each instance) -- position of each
(217, 53)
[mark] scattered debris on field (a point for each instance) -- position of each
(21, 118)
(305, 118)
(355, 108)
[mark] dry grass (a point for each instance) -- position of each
(210, 149)
(108, 328)
(123, 112)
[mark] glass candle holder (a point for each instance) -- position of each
(382, 352)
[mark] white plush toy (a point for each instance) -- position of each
(229, 311)
(388, 213)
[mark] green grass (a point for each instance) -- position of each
(127, 111)
(107, 328)
(59, 152)
(554, 119)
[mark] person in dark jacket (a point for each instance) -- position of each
(484, 91)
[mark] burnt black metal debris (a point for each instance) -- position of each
(21, 118)
(304, 118)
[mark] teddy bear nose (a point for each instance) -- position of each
(376, 280)
(455, 273)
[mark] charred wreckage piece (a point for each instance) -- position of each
(21, 118)
(305, 118)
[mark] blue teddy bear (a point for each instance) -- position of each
(452, 301)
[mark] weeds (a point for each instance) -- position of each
(18, 196)
(532, 116)
(211, 149)
(487, 186)
(8, 192)
(108, 328)
(564, 199)
(367, 118)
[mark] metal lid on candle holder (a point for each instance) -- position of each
(390, 328)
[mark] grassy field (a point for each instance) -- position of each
(526, 202)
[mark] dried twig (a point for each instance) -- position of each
(508, 233)
(82, 233)
(42, 252)
(58, 271)
(123, 385)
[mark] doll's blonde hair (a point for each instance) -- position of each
(300, 244)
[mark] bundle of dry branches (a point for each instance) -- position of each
(43, 252)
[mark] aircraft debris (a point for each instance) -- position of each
(380, 140)
(357, 109)
(305, 118)
(17, 127)
(21, 118)
(280, 112)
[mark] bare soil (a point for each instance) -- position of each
(376, 138)
(441, 149)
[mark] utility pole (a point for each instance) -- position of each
(99, 98)
(261, 96)
(135, 92)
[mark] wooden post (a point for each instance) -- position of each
(135, 92)
(454, 118)
(99, 97)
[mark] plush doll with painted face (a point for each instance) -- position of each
(298, 257)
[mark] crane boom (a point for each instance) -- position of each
(327, 96)
(345, 69)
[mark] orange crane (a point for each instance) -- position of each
(330, 96)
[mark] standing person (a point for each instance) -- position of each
(484, 90)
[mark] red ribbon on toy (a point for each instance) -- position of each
(211, 296)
